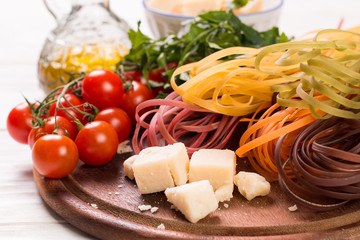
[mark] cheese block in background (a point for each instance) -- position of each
(187, 7)
(195, 7)
(195, 200)
(251, 185)
(158, 168)
(216, 165)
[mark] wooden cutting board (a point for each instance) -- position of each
(104, 203)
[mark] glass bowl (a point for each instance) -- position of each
(163, 23)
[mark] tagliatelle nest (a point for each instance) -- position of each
(170, 120)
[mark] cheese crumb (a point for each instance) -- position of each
(292, 208)
(94, 205)
(154, 209)
(120, 186)
(161, 226)
(124, 147)
(226, 205)
(117, 193)
(144, 207)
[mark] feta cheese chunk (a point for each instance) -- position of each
(158, 168)
(251, 185)
(128, 163)
(195, 200)
(217, 166)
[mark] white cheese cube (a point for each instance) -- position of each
(216, 165)
(251, 185)
(195, 200)
(128, 163)
(178, 160)
(158, 168)
(152, 173)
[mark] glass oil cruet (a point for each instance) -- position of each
(88, 37)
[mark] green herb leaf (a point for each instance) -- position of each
(207, 33)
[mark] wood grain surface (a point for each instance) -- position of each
(23, 214)
(117, 216)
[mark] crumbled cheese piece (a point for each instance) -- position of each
(128, 167)
(117, 193)
(124, 147)
(109, 193)
(161, 226)
(120, 186)
(154, 209)
(293, 208)
(158, 168)
(217, 166)
(195, 200)
(94, 205)
(226, 205)
(251, 185)
(144, 207)
(224, 193)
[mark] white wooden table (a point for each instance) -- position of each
(23, 27)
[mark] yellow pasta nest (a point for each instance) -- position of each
(328, 65)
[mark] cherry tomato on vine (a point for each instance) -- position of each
(75, 101)
(117, 118)
(55, 156)
(97, 143)
(69, 91)
(64, 128)
(133, 97)
(102, 88)
(19, 122)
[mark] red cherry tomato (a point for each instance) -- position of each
(55, 156)
(133, 97)
(103, 89)
(132, 75)
(19, 122)
(117, 118)
(75, 101)
(71, 90)
(65, 128)
(97, 143)
(156, 75)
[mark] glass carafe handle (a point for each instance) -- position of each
(58, 8)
